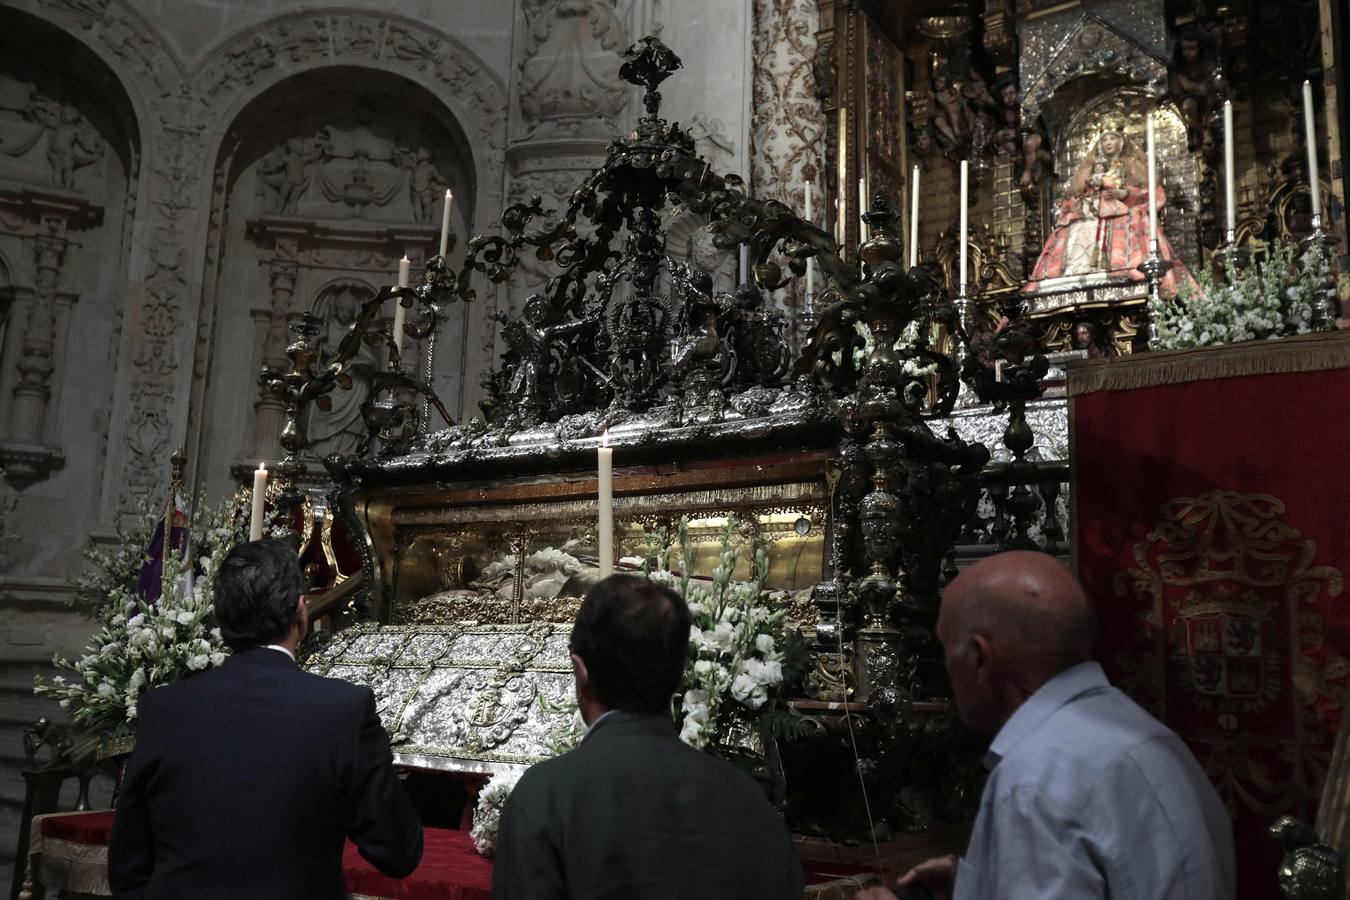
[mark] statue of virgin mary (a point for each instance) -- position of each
(1101, 226)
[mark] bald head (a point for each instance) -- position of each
(1028, 606)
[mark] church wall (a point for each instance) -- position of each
(165, 308)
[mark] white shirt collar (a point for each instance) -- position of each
(282, 649)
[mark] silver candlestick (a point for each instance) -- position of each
(1155, 268)
(1326, 306)
(965, 396)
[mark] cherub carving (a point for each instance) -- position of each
(288, 168)
(426, 184)
(1197, 83)
(73, 142)
(532, 340)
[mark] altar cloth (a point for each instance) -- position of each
(1209, 534)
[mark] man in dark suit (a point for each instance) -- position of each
(633, 813)
(245, 779)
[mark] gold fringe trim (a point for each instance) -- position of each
(1304, 353)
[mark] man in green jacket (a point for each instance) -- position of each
(633, 812)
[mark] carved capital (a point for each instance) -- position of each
(26, 464)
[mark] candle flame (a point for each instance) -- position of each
(262, 467)
(448, 194)
(604, 438)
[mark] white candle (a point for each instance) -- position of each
(964, 202)
(1230, 187)
(914, 218)
(810, 263)
(445, 222)
(255, 525)
(1310, 138)
(745, 263)
(1152, 180)
(862, 210)
(605, 533)
(404, 270)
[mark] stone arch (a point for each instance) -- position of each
(245, 65)
(70, 161)
(470, 98)
(313, 185)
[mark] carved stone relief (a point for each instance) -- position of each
(33, 125)
(568, 68)
(179, 139)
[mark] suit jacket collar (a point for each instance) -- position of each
(260, 656)
(621, 722)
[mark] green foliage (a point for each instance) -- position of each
(1274, 298)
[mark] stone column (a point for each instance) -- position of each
(36, 363)
(269, 412)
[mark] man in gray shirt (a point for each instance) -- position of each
(1088, 795)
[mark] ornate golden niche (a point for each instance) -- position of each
(456, 553)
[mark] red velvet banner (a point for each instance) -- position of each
(1211, 530)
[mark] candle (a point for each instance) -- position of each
(445, 222)
(862, 210)
(810, 263)
(255, 525)
(404, 269)
(1152, 181)
(965, 199)
(1310, 138)
(605, 532)
(914, 218)
(745, 263)
(1230, 188)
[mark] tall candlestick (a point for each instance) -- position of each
(745, 263)
(914, 218)
(255, 524)
(1230, 186)
(1152, 179)
(964, 202)
(1310, 139)
(445, 222)
(862, 210)
(404, 270)
(810, 263)
(605, 533)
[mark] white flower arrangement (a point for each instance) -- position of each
(737, 646)
(487, 815)
(1274, 298)
(143, 645)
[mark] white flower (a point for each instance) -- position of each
(764, 643)
(185, 617)
(217, 658)
(198, 661)
(106, 690)
(748, 690)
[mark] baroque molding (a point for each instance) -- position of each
(179, 138)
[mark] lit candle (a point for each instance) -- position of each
(255, 525)
(1152, 180)
(445, 222)
(605, 533)
(862, 209)
(745, 263)
(810, 263)
(1310, 138)
(1230, 188)
(914, 219)
(404, 269)
(964, 201)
